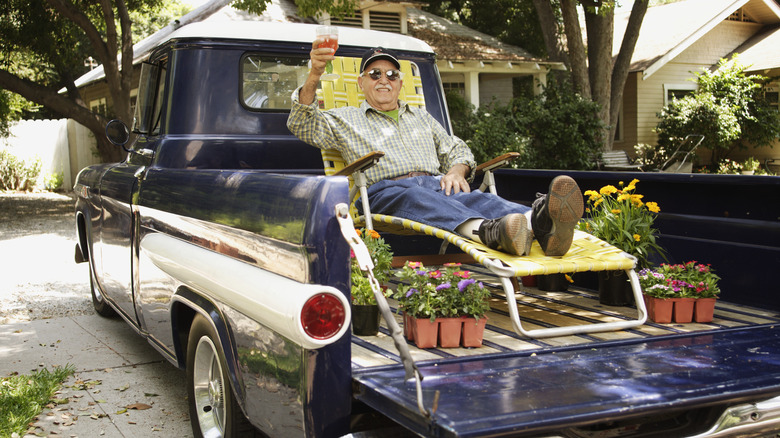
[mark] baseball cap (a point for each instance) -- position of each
(377, 53)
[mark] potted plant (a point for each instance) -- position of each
(682, 292)
(438, 302)
(619, 216)
(750, 166)
(365, 311)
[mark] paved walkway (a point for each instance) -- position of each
(122, 386)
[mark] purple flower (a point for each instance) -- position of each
(463, 284)
(443, 286)
(411, 292)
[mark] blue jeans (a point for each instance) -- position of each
(421, 199)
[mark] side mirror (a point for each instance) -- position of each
(117, 133)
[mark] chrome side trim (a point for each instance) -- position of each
(268, 298)
(746, 420)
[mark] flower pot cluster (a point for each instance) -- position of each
(463, 331)
(442, 307)
(680, 293)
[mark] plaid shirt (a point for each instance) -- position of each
(416, 143)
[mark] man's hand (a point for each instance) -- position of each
(455, 180)
(319, 57)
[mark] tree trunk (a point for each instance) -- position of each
(622, 65)
(550, 31)
(599, 26)
(576, 48)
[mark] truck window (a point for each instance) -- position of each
(151, 86)
(267, 81)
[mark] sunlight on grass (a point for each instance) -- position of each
(22, 397)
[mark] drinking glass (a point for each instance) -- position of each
(330, 37)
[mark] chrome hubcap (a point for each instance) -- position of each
(209, 389)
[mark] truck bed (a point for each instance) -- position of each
(515, 384)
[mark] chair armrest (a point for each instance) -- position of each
(362, 163)
(500, 161)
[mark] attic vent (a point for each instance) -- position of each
(356, 20)
(386, 21)
(741, 16)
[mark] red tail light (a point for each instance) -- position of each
(322, 316)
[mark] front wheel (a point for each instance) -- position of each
(214, 411)
(98, 301)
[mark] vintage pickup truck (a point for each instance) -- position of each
(217, 240)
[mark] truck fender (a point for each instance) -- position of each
(184, 305)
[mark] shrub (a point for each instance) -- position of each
(17, 174)
(555, 130)
(729, 108)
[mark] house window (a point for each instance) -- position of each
(677, 91)
(771, 94)
(98, 106)
(455, 87)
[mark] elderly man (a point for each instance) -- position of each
(424, 175)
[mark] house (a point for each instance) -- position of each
(678, 39)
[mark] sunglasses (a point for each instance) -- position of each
(391, 75)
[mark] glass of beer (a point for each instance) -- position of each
(330, 39)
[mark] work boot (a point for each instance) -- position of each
(509, 234)
(556, 214)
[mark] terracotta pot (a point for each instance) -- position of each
(614, 288)
(365, 319)
(683, 310)
(425, 332)
(473, 329)
(529, 280)
(449, 332)
(408, 327)
(552, 282)
(704, 309)
(660, 310)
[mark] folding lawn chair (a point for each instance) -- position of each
(587, 253)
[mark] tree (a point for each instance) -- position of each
(44, 44)
(600, 77)
(728, 108)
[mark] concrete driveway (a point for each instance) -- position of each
(122, 386)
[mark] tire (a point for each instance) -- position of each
(214, 411)
(98, 301)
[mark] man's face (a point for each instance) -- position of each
(381, 93)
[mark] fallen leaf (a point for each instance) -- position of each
(121, 411)
(151, 394)
(123, 388)
(139, 406)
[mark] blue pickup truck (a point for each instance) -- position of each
(217, 240)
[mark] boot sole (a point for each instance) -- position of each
(516, 236)
(565, 206)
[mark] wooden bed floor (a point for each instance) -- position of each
(540, 309)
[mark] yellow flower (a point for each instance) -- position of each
(373, 234)
(598, 202)
(624, 197)
(616, 210)
(652, 206)
(608, 190)
(592, 195)
(632, 185)
(637, 237)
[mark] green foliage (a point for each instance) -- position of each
(619, 216)
(18, 174)
(381, 257)
(311, 8)
(510, 21)
(728, 109)
(23, 397)
(441, 293)
(555, 130)
(53, 181)
(153, 16)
